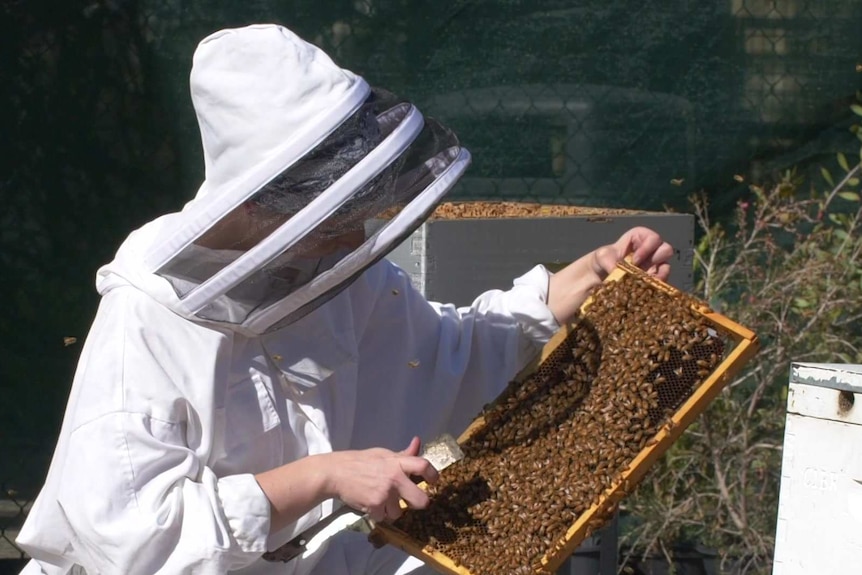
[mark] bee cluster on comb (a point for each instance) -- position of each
(563, 438)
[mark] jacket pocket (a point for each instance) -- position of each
(252, 434)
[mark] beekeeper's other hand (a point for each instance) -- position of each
(374, 481)
(370, 480)
(571, 286)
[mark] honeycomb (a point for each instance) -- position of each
(549, 460)
(487, 210)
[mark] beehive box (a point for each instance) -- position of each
(547, 462)
(466, 248)
(819, 527)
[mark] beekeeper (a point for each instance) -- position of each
(254, 359)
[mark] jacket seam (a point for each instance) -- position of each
(123, 422)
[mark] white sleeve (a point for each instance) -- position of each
(526, 302)
(139, 501)
(482, 347)
(440, 363)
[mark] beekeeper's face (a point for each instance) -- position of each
(309, 232)
(318, 248)
(247, 225)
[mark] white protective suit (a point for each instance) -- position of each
(170, 416)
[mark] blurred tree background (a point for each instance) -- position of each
(618, 103)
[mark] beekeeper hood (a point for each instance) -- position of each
(311, 177)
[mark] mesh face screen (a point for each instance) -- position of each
(554, 442)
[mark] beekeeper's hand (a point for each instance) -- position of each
(370, 480)
(375, 480)
(571, 286)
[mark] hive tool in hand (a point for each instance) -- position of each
(441, 453)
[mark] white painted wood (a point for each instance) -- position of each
(819, 529)
(825, 403)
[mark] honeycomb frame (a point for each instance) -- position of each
(743, 345)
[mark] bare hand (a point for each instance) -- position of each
(648, 251)
(569, 288)
(375, 480)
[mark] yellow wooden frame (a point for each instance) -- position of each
(745, 346)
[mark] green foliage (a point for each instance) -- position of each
(788, 267)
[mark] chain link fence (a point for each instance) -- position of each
(619, 103)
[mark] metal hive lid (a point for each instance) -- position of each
(841, 376)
